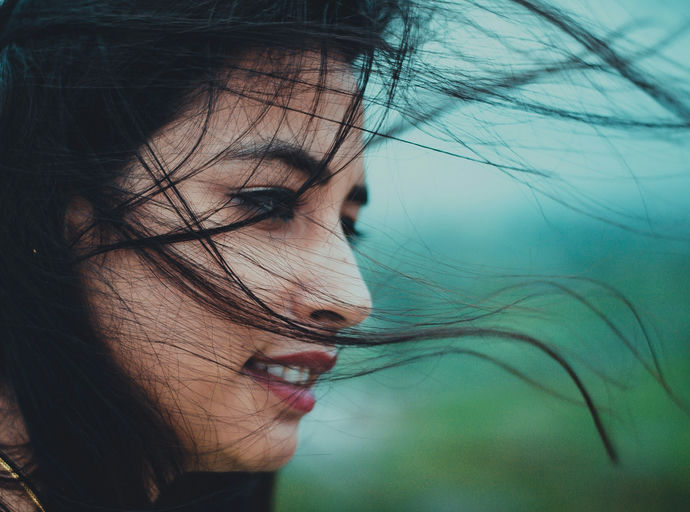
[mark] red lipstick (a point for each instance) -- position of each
(290, 376)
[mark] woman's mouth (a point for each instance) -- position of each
(290, 377)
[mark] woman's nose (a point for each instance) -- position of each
(331, 292)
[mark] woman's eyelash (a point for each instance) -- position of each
(276, 203)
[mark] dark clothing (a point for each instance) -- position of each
(218, 492)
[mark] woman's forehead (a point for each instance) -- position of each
(298, 96)
(307, 108)
(304, 111)
(283, 74)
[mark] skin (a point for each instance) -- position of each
(189, 357)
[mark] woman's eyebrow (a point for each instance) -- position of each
(297, 158)
(291, 154)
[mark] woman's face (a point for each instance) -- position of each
(236, 393)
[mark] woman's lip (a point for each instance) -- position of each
(297, 397)
(315, 361)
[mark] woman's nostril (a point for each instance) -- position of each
(327, 316)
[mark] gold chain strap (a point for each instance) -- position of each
(6, 467)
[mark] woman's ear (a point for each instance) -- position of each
(78, 221)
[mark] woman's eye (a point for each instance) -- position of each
(273, 203)
(278, 204)
(352, 234)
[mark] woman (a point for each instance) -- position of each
(181, 184)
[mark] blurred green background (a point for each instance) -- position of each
(454, 432)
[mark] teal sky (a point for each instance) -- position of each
(636, 178)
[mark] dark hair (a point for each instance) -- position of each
(86, 84)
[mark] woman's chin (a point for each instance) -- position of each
(269, 450)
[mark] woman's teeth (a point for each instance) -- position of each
(296, 376)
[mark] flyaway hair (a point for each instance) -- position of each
(87, 90)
